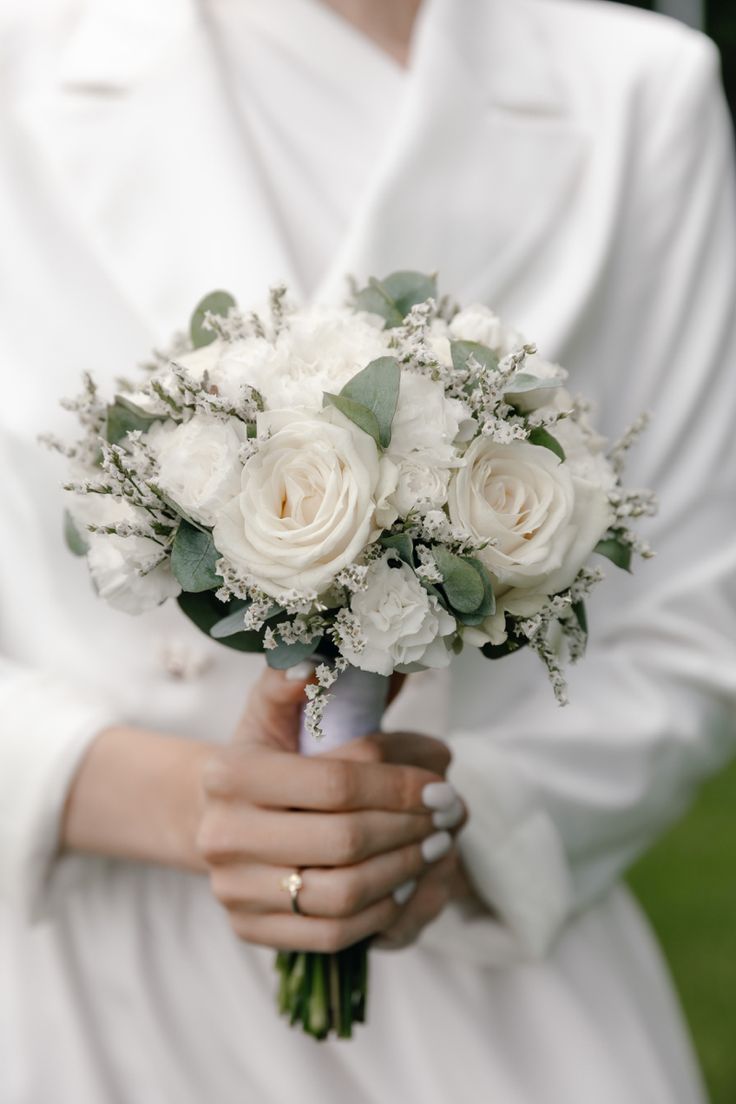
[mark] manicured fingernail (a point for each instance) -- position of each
(439, 795)
(300, 672)
(434, 847)
(448, 818)
(403, 892)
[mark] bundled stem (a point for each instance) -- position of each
(325, 993)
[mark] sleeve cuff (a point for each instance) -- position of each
(515, 858)
(46, 730)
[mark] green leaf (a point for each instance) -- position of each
(204, 610)
(460, 351)
(376, 388)
(217, 302)
(402, 544)
(462, 583)
(615, 550)
(393, 297)
(543, 439)
(74, 540)
(193, 559)
(233, 623)
(288, 655)
(525, 381)
(488, 605)
(498, 651)
(123, 417)
(364, 418)
(581, 616)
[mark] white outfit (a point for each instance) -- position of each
(568, 163)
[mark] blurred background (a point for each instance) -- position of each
(687, 884)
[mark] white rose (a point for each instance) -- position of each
(131, 573)
(311, 499)
(401, 625)
(544, 520)
(318, 349)
(199, 467)
(424, 429)
(481, 324)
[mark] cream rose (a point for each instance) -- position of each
(199, 468)
(400, 624)
(544, 520)
(311, 499)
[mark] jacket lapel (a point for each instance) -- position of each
(482, 164)
(144, 148)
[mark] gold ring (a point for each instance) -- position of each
(293, 883)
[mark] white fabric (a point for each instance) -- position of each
(570, 164)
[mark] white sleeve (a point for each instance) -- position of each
(563, 799)
(46, 725)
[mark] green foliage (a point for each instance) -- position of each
(544, 439)
(123, 417)
(461, 351)
(205, 611)
(466, 586)
(524, 382)
(393, 297)
(288, 655)
(402, 544)
(74, 540)
(193, 559)
(615, 550)
(369, 399)
(217, 302)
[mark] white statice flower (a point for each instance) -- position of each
(423, 446)
(543, 520)
(198, 464)
(312, 498)
(196, 363)
(400, 626)
(318, 349)
(131, 573)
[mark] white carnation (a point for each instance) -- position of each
(199, 466)
(399, 624)
(131, 573)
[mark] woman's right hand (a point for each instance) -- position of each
(358, 828)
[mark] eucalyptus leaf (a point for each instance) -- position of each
(616, 551)
(376, 388)
(460, 351)
(488, 605)
(74, 540)
(124, 416)
(402, 544)
(217, 302)
(462, 583)
(364, 418)
(284, 655)
(193, 559)
(525, 381)
(544, 439)
(393, 297)
(204, 610)
(233, 623)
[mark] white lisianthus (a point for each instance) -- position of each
(318, 349)
(131, 573)
(199, 466)
(400, 625)
(543, 520)
(311, 499)
(423, 434)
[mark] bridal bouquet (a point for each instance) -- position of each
(376, 486)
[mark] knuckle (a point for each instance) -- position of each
(349, 841)
(209, 838)
(347, 896)
(373, 749)
(334, 936)
(339, 783)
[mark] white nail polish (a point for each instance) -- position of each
(403, 892)
(439, 795)
(434, 847)
(448, 818)
(300, 672)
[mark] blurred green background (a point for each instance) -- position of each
(687, 883)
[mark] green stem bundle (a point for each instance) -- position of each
(325, 993)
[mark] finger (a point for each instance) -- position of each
(312, 839)
(273, 709)
(336, 892)
(413, 748)
(288, 932)
(432, 895)
(266, 778)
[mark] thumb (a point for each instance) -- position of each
(273, 710)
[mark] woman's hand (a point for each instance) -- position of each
(359, 824)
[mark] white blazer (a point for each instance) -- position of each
(569, 163)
